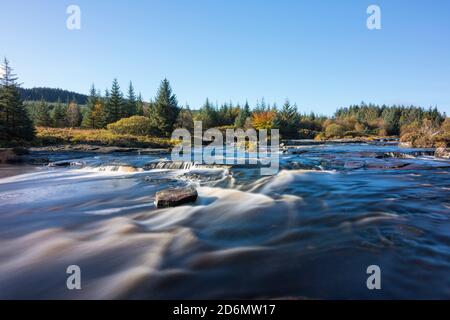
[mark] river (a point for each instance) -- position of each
(308, 232)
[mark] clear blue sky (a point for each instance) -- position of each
(317, 53)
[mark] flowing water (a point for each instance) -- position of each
(309, 232)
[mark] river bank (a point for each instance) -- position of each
(39, 154)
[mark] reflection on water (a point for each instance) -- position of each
(310, 231)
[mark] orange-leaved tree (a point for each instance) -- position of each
(263, 120)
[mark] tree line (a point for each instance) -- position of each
(51, 95)
(163, 114)
(102, 110)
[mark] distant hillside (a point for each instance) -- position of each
(52, 95)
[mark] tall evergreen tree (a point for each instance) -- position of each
(208, 115)
(130, 108)
(14, 120)
(226, 114)
(391, 117)
(42, 116)
(88, 120)
(261, 106)
(244, 113)
(288, 120)
(114, 106)
(149, 110)
(107, 95)
(165, 109)
(139, 105)
(59, 115)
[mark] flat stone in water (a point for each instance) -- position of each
(63, 163)
(175, 197)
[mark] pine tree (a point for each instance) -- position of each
(3, 128)
(59, 115)
(14, 120)
(73, 115)
(165, 109)
(149, 110)
(107, 95)
(226, 115)
(208, 115)
(223, 115)
(130, 108)
(139, 106)
(288, 120)
(88, 121)
(244, 113)
(42, 116)
(261, 106)
(391, 117)
(114, 106)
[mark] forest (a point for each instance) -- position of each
(51, 95)
(127, 114)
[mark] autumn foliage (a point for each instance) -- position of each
(263, 120)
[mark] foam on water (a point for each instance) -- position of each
(247, 236)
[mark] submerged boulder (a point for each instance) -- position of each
(442, 153)
(175, 197)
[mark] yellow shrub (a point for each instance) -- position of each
(135, 125)
(334, 131)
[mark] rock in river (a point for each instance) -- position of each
(442, 153)
(63, 163)
(175, 197)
